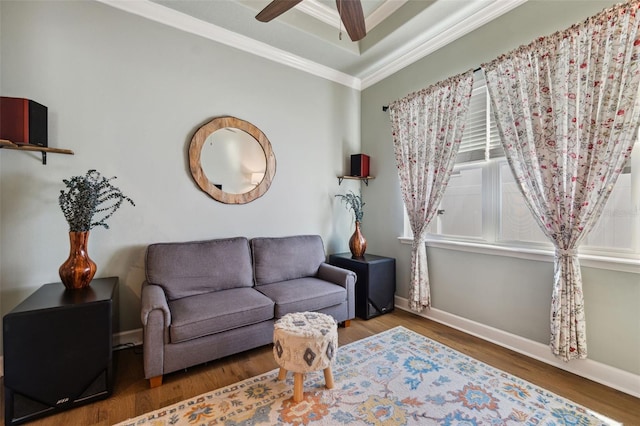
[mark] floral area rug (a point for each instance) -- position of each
(397, 377)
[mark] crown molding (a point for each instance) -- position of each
(164, 15)
(320, 12)
(387, 67)
(331, 17)
(383, 12)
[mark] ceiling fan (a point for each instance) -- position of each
(350, 13)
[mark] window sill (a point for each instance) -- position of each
(621, 264)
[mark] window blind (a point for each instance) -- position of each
(480, 140)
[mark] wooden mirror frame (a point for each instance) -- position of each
(195, 150)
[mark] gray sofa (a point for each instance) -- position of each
(203, 300)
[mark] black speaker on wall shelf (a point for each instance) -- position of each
(58, 350)
(360, 165)
(23, 121)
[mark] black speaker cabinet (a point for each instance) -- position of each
(23, 121)
(58, 349)
(360, 165)
(376, 285)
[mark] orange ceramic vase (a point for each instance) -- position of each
(357, 243)
(78, 270)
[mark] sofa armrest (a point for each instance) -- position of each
(342, 277)
(156, 318)
(153, 298)
(337, 275)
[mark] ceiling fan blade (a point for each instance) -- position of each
(352, 18)
(275, 9)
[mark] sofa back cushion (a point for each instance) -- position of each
(189, 268)
(286, 258)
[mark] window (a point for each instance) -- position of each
(460, 212)
(517, 224)
(483, 204)
(617, 220)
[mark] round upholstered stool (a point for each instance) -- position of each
(305, 342)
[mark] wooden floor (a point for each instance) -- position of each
(132, 396)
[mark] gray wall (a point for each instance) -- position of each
(506, 293)
(126, 94)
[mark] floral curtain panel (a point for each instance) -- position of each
(427, 129)
(567, 110)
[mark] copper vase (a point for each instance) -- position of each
(357, 243)
(78, 270)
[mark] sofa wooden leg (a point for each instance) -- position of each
(154, 382)
(347, 323)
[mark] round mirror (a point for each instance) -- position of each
(231, 160)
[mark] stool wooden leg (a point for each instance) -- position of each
(282, 374)
(328, 378)
(298, 387)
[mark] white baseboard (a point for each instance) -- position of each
(621, 380)
(130, 338)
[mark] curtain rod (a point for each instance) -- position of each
(386, 107)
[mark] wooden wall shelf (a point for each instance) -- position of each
(5, 144)
(365, 179)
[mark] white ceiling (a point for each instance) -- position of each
(399, 32)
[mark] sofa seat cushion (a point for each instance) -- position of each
(303, 294)
(218, 311)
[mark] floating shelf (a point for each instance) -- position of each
(5, 144)
(365, 179)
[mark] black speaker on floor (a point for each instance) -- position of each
(376, 283)
(58, 350)
(380, 293)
